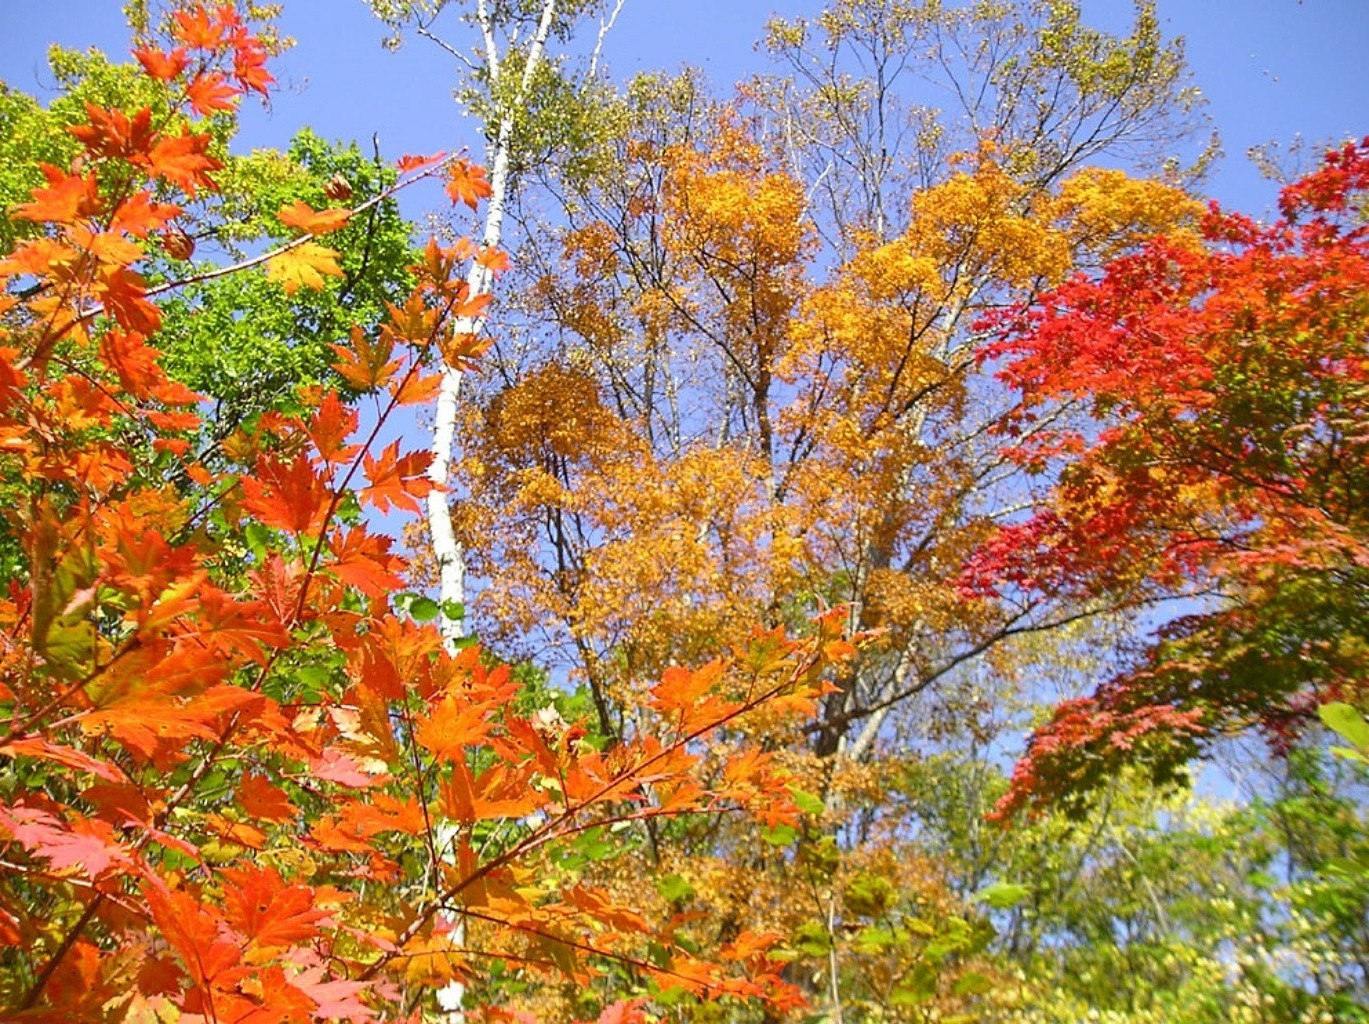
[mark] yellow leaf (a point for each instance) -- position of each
(303, 266)
(314, 222)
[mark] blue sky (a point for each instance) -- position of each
(1271, 69)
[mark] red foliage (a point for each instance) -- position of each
(1207, 400)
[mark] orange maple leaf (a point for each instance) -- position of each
(496, 261)
(313, 222)
(112, 133)
(267, 911)
(411, 162)
(182, 160)
(140, 215)
(125, 299)
(466, 183)
(249, 63)
(330, 427)
(68, 197)
(287, 496)
(396, 481)
(196, 28)
(366, 362)
(160, 64)
(364, 561)
(209, 92)
(261, 799)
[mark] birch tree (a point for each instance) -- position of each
(509, 80)
(504, 67)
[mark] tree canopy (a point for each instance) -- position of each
(775, 555)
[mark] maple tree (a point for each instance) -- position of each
(1214, 448)
(228, 749)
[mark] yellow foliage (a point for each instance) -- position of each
(303, 266)
(1107, 210)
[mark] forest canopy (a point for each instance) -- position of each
(876, 543)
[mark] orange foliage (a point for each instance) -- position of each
(227, 752)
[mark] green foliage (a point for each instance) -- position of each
(240, 339)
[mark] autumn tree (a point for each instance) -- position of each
(1214, 450)
(745, 389)
(227, 745)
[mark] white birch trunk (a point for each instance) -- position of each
(451, 566)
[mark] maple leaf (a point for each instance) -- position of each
(335, 1000)
(124, 294)
(411, 162)
(496, 261)
(147, 720)
(239, 833)
(364, 561)
(38, 746)
(288, 496)
(194, 931)
(260, 799)
(194, 27)
(415, 387)
(345, 770)
(267, 911)
(303, 266)
(331, 426)
(451, 726)
(466, 183)
(249, 64)
(85, 844)
(313, 222)
(461, 350)
(182, 160)
(112, 133)
(365, 363)
(161, 64)
(209, 91)
(66, 198)
(396, 481)
(624, 1011)
(140, 214)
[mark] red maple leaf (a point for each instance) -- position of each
(210, 91)
(396, 481)
(160, 64)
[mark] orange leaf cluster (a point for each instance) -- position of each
(228, 751)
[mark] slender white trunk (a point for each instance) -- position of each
(451, 565)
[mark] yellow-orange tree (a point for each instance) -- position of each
(747, 389)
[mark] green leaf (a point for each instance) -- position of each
(807, 803)
(874, 940)
(257, 537)
(1002, 895)
(1346, 722)
(780, 835)
(674, 888)
(972, 983)
(811, 939)
(917, 989)
(423, 609)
